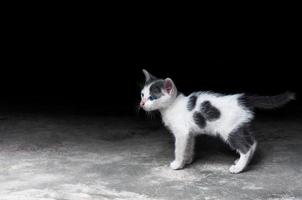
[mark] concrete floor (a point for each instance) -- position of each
(69, 157)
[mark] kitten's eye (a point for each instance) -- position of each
(151, 98)
(142, 94)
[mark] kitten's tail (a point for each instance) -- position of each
(270, 102)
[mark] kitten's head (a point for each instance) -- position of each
(157, 93)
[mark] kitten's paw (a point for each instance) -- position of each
(176, 165)
(235, 169)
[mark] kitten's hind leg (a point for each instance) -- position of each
(243, 141)
(243, 161)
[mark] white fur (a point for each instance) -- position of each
(243, 161)
(179, 120)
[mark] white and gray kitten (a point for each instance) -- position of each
(227, 116)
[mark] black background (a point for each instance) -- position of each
(78, 68)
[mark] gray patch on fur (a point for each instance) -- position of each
(156, 89)
(242, 139)
(209, 111)
(199, 119)
(192, 102)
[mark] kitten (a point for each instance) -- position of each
(227, 116)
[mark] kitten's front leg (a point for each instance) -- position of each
(181, 142)
(190, 149)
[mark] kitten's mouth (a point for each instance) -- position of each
(144, 108)
(141, 104)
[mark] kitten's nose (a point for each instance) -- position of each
(142, 103)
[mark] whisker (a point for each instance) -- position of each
(150, 115)
(138, 109)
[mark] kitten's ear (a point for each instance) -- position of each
(169, 85)
(149, 77)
